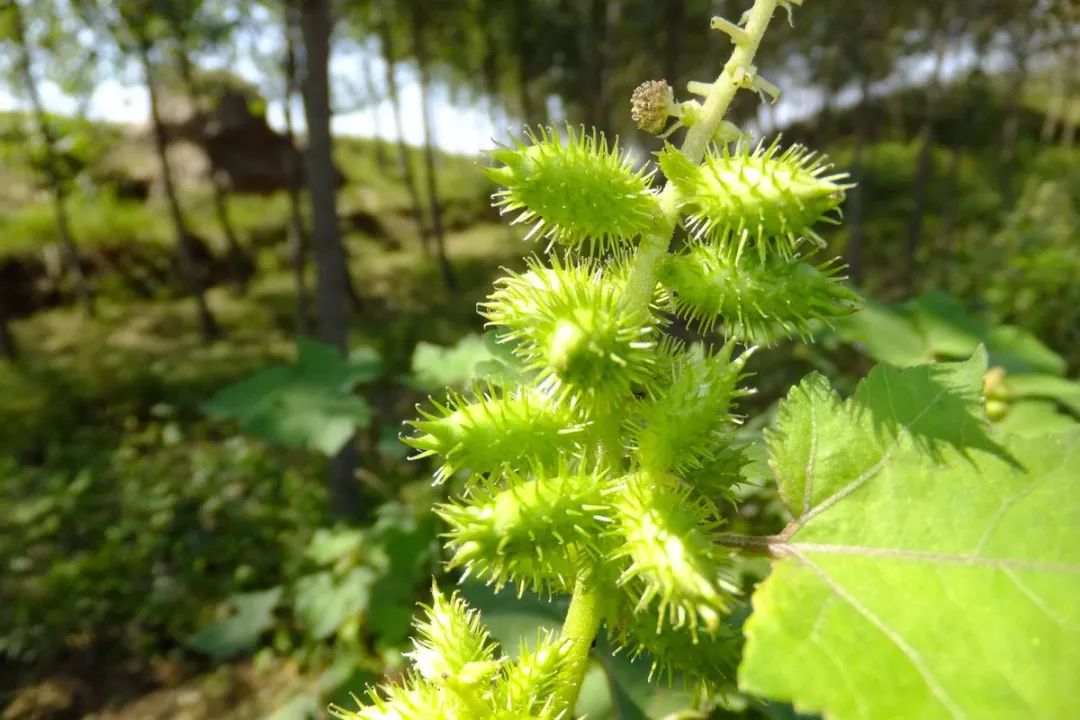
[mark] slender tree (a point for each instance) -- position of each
(56, 183)
(8, 348)
(372, 92)
(333, 304)
(389, 54)
(207, 324)
(298, 241)
(218, 192)
(420, 42)
(940, 35)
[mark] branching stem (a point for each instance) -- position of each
(642, 280)
(584, 616)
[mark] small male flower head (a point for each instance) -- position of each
(652, 103)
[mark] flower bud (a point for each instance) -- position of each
(651, 104)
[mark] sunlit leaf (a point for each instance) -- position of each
(916, 584)
(253, 614)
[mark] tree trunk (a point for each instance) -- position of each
(297, 237)
(8, 348)
(491, 61)
(434, 203)
(674, 28)
(220, 197)
(948, 220)
(924, 169)
(407, 176)
(332, 301)
(56, 183)
(854, 209)
(1010, 130)
(596, 43)
(185, 250)
(379, 150)
(532, 111)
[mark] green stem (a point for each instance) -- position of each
(578, 631)
(583, 618)
(642, 281)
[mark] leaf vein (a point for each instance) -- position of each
(810, 514)
(808, 481)
(1036, 600)
(908, 651)
(926, 556)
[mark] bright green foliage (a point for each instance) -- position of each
(684, 424)
(308, 405)
(754, 300)
(494, 430)
(569, 326)
(324, 603)
(1029, 375)
(578, 192)
(697, 656)
(663, 529)
(532, 533)
(760, 194)
(253, 615)
(599, 466)
(459, 674)
(915, 583)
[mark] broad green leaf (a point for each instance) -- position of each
(1034, 417)
(330, 545)
(916, 584)
(324, 602)
(474, 357)
(885, 335)
(933, 406)
(935, 326)
(253, 614)
(1061, 390)
(304, 706)
(309, 405)
(949, 331)
(435, 367)
(1019, 351)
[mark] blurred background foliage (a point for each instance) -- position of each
(214, 317)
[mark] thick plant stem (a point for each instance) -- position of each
(583, 618)
(578, 631)
(642, 279)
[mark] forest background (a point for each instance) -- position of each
(240, 240)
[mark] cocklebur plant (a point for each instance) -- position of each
(602, 475)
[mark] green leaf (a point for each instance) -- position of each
(885, 335)
(304, 706)
(935, 326)
(309, 405)
(324, 603)
(1019, 351)
(435, 366)
(1034, 417)
(328, 546)
(253, 614)
(1061, 390)
(916, 584)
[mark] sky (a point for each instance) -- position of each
(462, 125)
(459, 127)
